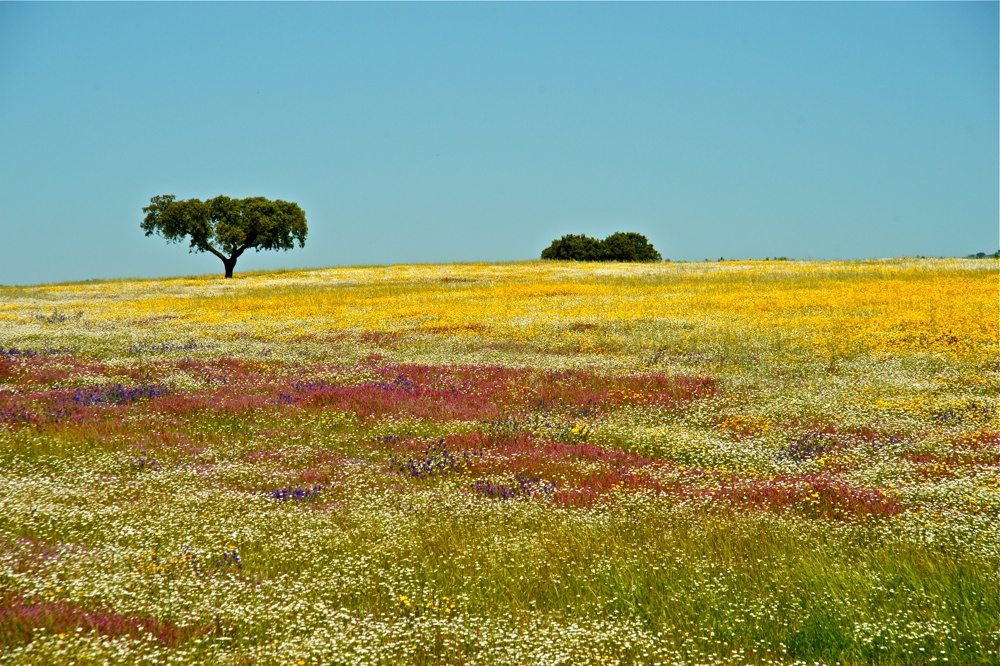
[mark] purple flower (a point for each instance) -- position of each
(290, 494)
(522, 486)
(435, 461)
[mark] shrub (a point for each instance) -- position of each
(619, 246)
(628, 246)
(573, 247)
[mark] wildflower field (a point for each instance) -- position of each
(534, 463)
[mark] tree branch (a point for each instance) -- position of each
(241, 249)
(215, 252)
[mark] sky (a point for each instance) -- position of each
(459, 132)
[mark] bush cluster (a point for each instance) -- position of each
(619, 246)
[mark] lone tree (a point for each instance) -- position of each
(620, 246)
(226, 227)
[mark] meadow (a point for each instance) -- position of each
(775, 462)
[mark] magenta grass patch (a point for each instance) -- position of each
(817, 495)
(21, 617)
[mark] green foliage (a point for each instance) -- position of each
(628, 246)
(574, 247)
(619, 246)
(226, 227)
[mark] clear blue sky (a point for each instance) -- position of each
(467, 132)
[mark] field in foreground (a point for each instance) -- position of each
(748, 463)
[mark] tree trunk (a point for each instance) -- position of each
(230, 264)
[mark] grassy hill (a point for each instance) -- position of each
(726, 462)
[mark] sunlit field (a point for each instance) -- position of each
(535, 463)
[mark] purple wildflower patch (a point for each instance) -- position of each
(230, 558)
(813, 445)
(436, 460)
(956, 415)
(16, 415)
(521, 486)
(144, 462)
(116, 394)
(290, 494)
(13, 353)
(306, 387)
(400, 383)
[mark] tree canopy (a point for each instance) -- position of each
(619, 246)
(226, 227)
(574, 247)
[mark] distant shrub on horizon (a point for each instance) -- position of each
(619, 246)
